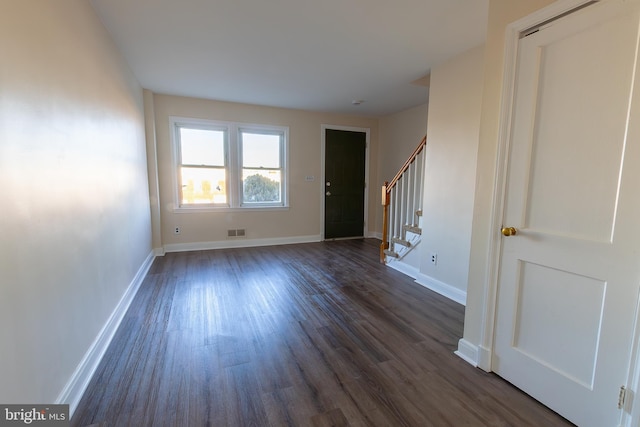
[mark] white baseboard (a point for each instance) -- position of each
(405, 268)
(374, 234)
(476, 355)
(239, 243)
(437, 286)
(442, 288)
(467, 352)
(75, 387)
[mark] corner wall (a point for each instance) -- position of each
(73, 183)
(452, 142)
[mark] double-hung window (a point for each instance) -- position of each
(262, 172)
(221, 165)
(202, 164)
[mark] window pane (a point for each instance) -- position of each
(202, 147)
(261, 186)
(203, 185)
(260, 150)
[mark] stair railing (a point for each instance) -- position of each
(402, 199)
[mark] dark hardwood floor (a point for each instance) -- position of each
(302, 335)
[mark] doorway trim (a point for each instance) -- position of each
(484, 352)
(367, 132)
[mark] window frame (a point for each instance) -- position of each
(177, 125)
(263, 130)
(233, 164)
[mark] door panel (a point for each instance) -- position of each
(569, 115)
(569, 279)
(345, 183)
(577, 300)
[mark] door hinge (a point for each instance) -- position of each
(622, 396)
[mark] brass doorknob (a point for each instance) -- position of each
(509, 231)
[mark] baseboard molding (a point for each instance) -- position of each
(239, 243)
(374, 235)
(404, 268)
(467, 352)
(442, 288)
(75, 387)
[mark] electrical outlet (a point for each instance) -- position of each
(177, 230)
(434, 258)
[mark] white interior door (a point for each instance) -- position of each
(569, 278)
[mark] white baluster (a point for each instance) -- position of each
(403, 205)
(423, 158)
(416, 189)
(392, 215)
(407, 218)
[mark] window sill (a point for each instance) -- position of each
(211, 209)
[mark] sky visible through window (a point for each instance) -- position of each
(260, 150)
(202, 147)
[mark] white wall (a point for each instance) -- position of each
(400, 134)
(74, 211)
(301, 221)
(452, 142)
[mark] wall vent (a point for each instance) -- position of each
(236, 233)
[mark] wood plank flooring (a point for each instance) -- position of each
(317, 335)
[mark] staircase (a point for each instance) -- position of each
(402, 208)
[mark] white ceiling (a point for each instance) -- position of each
(306, 54)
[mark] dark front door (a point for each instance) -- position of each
(344, 183)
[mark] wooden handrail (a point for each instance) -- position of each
(406, 165)
(386, 192)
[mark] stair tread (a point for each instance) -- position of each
(413, 229)
(401, 242)
(390, 253)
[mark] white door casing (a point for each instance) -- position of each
(568, 281)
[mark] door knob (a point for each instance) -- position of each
(328, 193)
(509, 231)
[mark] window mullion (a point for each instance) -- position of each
(233, 156)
